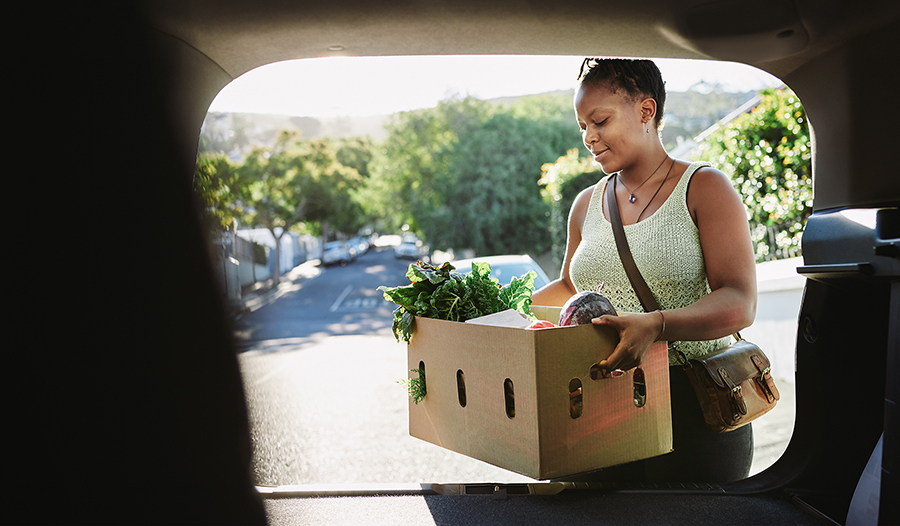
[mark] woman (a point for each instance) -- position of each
(687, 229)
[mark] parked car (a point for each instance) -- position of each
(504, 268)
(336, 252)
(410, 247)
(359, 244)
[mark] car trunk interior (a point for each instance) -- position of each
(178, 447)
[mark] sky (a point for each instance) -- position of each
(363, 86)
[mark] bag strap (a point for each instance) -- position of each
(644, 294)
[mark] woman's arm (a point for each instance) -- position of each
(558, 291)
(721, 219)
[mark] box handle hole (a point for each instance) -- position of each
(576, 398)
(510, 398)
(461, 387)
(422, 378)
(597, 373)
(640, 388)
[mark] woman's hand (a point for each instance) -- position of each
(637, 332)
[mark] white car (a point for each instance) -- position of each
(407, 251)
(336, 252)
(504, 268)
(359, 244)
(410, 247)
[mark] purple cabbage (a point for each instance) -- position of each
(581, 308)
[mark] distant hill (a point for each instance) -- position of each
(690, 112)
(236, 133)
(687, 114)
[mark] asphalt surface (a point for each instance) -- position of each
(321, 371)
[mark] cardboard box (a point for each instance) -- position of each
(508, 396)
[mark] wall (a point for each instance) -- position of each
(778, 307)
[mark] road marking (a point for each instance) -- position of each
(360, 303)
(337, 304)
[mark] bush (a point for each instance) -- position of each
(766, 153)
(562, 181)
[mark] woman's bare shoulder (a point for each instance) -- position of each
(708, 184)
(581, 203)
(711, 194)
(583, 198)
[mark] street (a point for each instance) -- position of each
(320, 369)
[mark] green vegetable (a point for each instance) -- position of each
(415, 385)
(444, 294)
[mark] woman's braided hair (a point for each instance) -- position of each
(639, 78)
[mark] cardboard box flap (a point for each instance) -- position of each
(506, 318)
(543, 312)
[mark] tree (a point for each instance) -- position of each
(562, 181)
(405, 167)
(767, 153)
(491, 200)
(293, 182)
(464, 174)
(356, 153)
(217, 188)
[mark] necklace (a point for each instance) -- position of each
(632, 199)
(658, 189)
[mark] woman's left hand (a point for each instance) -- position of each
(636, 333)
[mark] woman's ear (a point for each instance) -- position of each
(648, 110)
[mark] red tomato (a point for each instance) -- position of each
(541, 324)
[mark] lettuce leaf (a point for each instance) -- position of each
(441, 293)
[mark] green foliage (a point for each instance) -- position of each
(562, 181)
(766, 153)
(299, 181)
(415, 386)
(260, 254)
(463, 175)
(355, 153)
(217, 189)
(491, 200)
(400, 190)
(441, 293)
(291, 185)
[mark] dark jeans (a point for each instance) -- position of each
(699, 455)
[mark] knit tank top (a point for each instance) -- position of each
(666, 249)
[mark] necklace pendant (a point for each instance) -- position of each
(632, 199)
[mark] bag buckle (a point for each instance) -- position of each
(764, 378)
(737, 396)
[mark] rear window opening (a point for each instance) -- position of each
(320, 364)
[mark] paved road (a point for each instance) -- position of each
(337, 301)
(321, 370)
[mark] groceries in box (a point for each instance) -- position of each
(531, 401)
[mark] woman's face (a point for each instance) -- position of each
(611, 125)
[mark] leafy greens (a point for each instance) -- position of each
(444, 294)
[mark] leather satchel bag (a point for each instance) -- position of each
(734, 385)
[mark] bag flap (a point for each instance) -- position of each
(736, 359)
